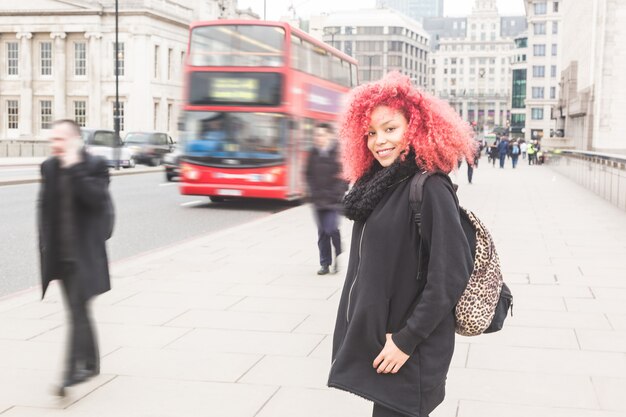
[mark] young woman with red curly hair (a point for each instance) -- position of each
(394, 335)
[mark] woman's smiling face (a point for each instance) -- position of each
(386, 134)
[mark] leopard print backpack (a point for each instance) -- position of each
(485, 303)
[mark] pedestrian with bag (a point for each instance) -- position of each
(75, 218)
(326, 191)
(515, 151)
(395, 328)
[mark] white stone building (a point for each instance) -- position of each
(473, 72)
(592, 93)
(57, 61)
(544, 50)
(381, 40)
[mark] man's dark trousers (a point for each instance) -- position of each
(327, 232)
(82, 346)
(502, 159)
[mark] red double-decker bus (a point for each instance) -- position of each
(253, 93)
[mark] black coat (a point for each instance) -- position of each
(323, 175)
(92, 223)
(382, 295)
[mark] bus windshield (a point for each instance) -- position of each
(237, 45)
(234, 138)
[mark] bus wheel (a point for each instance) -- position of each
(215, 199)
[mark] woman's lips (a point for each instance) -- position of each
(384, 152)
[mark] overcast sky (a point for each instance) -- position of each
(305, 8)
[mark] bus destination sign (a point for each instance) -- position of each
(241, 90)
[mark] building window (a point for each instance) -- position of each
(554, 49)
(120, 55)
(536, 113)
(156, 115)
(120, 116)
(553, 71)
(395, 46)
(13, 114)
(13, 58)
(45, 113)
(539, 71)
(539, 50)
(555, 27)
(156, 61)
(170, 63)
(45, 56)
(555, 7)
(552, 92)
(80, 59)
(369, 30)
(80, 112)
(541, 8)
(538, 92)
(539, 28)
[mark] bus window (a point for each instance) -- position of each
(296, 45)
(237, 45)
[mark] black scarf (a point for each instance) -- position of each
(374, 184)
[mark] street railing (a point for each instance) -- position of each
(602, 173)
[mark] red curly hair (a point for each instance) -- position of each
(435, 131)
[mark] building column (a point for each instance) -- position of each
(465, 111)
(26, 74)
(94, 54)
(140, 94)
(496, 115)
(60, 75)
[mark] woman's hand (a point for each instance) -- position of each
(390, 359)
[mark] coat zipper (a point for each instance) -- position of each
(356, 276)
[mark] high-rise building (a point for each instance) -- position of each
(544, 50)
(592, 94)
(471, 67)
(416, 9)
(382, 40)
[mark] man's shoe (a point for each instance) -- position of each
(335, 267)
(76, 377)
(323, 270)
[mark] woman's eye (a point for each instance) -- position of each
(370, 134)
(390, 129)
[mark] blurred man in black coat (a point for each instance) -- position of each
(75, 216)
(326, 190)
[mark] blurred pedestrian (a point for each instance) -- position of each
(515, 151)
(394, 334)
(523, 147)
(493, 152)
(531, 154)
(472, 165)
(503, 149)
(326, 190)
(75, 217)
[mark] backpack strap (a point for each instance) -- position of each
(416, 195)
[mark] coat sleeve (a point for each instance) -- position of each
(450, 264)
(91, 184)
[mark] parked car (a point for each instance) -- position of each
(171, 162)
(102, 142)
(149, 147)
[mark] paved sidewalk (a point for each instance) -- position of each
(237, 324)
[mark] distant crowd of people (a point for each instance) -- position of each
(505, 147)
